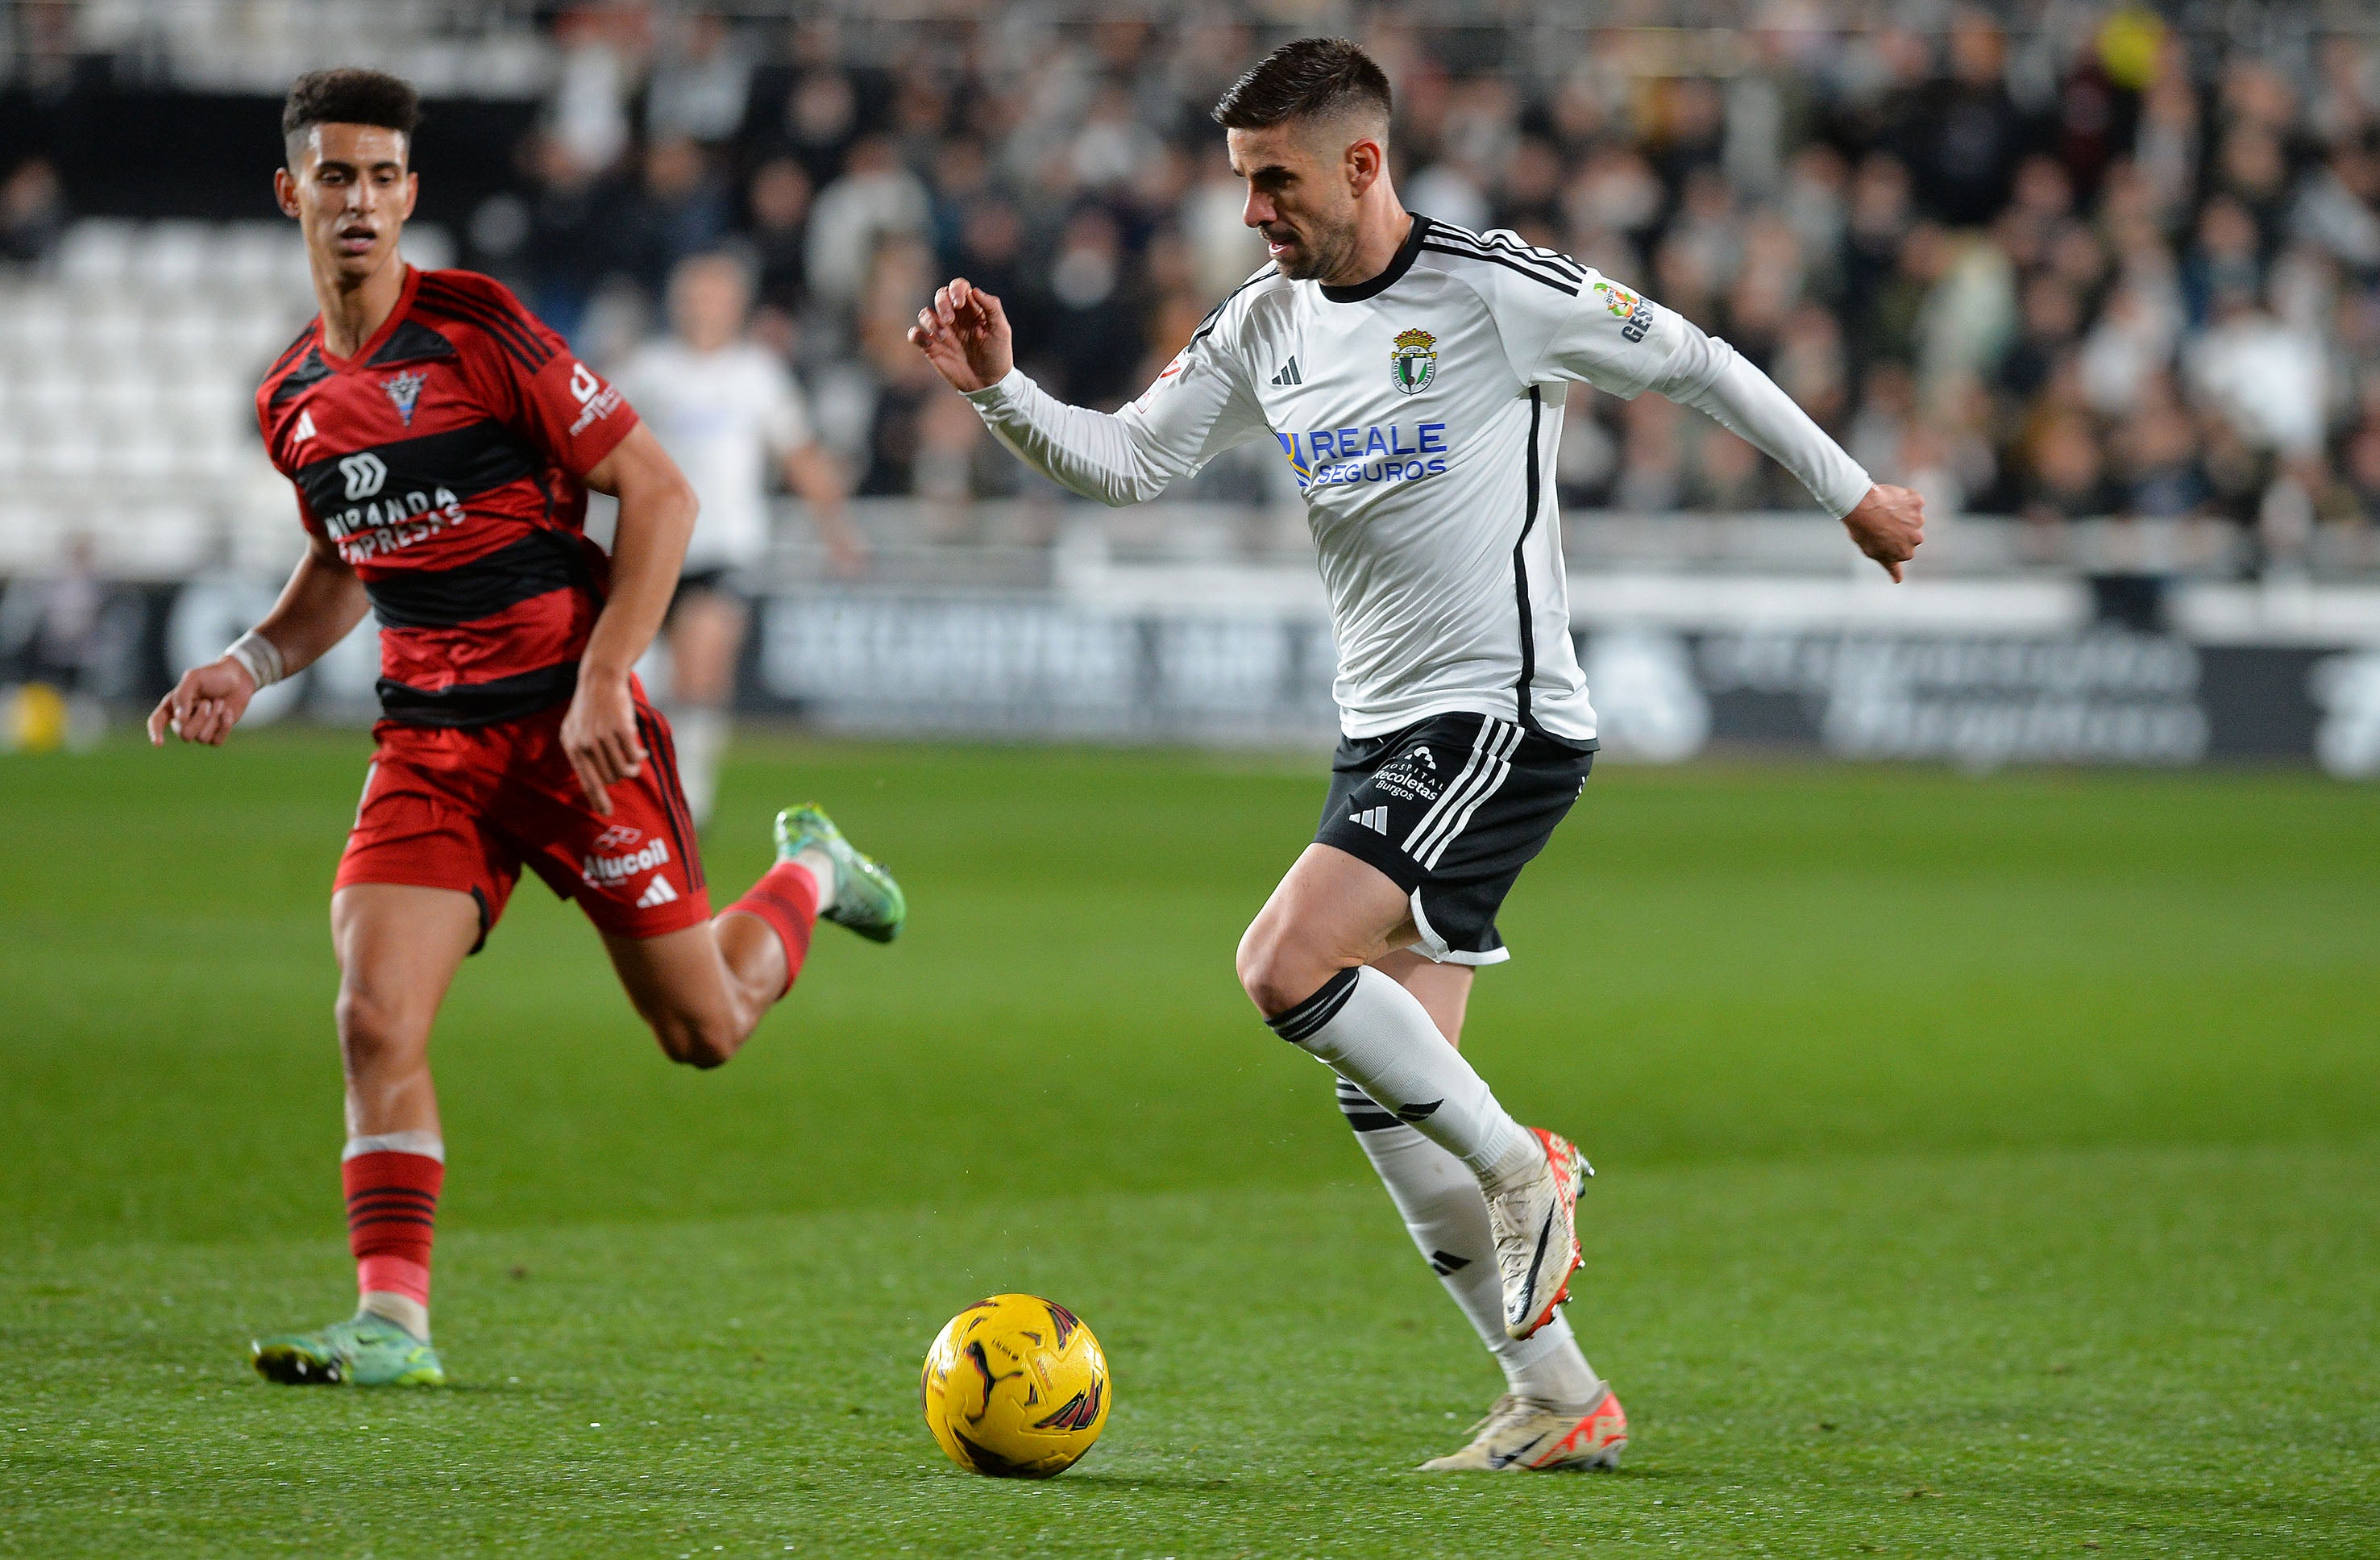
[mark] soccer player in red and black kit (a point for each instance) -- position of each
(441, 441)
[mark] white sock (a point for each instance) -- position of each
(701, 733)
(428, 1144)
(1380, 1036)
(820, 866)
(1439, 1199)
(403, 1310)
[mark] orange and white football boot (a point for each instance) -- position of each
(1535, 1220)
(1522, 1435)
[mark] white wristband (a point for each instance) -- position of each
(261, 656)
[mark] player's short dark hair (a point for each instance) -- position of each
(349, 95)
(1311, 79)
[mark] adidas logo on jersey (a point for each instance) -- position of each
(1289, 374)
(305, 429)
(660, 893)
(1375, 819)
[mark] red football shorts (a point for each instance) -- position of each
(464, 808)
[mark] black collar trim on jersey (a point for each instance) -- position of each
(310, 369)
(1398, 265)
(411, 341)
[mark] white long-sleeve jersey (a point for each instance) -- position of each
(1421, 411)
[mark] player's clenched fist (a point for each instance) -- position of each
(1889, 524)
(204, 705)
(965, 336)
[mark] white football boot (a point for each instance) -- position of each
(1535, 1220)
(1522, 1435)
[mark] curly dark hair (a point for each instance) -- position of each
(1311, 79)
(350, 96)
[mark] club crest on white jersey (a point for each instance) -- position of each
(1412, 360)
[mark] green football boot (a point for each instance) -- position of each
(364, 1350)
(867, 899)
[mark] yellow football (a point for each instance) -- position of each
(1015, 1387)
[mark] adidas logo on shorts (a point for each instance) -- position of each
(658, 893)
(1375, 819)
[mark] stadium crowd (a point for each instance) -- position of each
(2053, 260)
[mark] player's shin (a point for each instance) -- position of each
(393, 1180)
(1377, 1035)
(785, 900)
(1439, 1199)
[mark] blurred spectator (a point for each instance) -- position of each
(777, 207)
(67, 629)
(602, 49)
(726, 410)
(32, 211)
(1652, 468)
(680, 210)
(2227, 262)
(2338, 206)
(2133, 339)
(571, 239)
(2266, 380)
(1094, 325)
(2363, 473)
(1588, 455)
(2157, 457)
(874, 199)
(2047, 322)
(821, 116)
(70, 617)
(1975, 134)
(2067, 480)
(700, 83)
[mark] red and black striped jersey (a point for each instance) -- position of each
(446, 461)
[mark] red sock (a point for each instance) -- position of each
(392, 1217)
(786, 899)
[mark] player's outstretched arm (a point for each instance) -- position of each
(1887, 523)
(657, 510)
(322, 604)
(1124, 457)
(1619, 341)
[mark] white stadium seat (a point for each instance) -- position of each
(96, 251)
(172, 256)
(124, 403)
(43, 328)
(112, 331)
(28, 536)
(142, 457)
(150, 541)
(68, 454)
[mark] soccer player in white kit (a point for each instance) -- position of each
(724, 406)
(1413, 376)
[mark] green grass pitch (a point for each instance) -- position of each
(1988, 1168)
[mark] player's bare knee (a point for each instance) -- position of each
(1275, 972)
(374, 1030)
(695, 1039)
